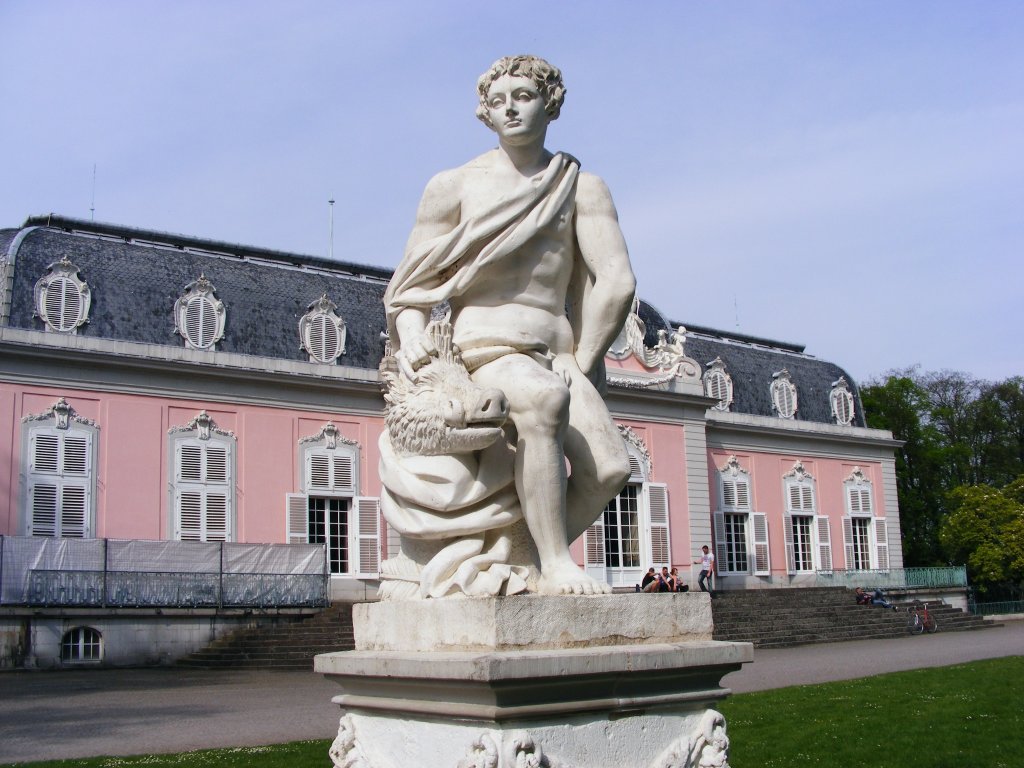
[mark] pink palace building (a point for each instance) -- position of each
(173, 399)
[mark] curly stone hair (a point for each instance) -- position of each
(547, 78)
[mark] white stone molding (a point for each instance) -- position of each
(706, 747)
(62, 298)
(199, 316)
(345, 752)
(633, 439)
(798, 473)
(329, 437)
(718, 384)
(841, 400)
(203, 425)
(63, 416)
(322, 332)
(783, 392)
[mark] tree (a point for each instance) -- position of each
(985, 530)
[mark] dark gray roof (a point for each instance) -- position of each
(136, 276)
(750, 362)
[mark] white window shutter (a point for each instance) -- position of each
(45, 454)
(720, 550)
(190, 463)
(43, 509)
(76, 454)
(824, 544)
(297, 518)
(881, 544)
(344, 472)
(848, 541)
(728, 494)
(318, 471)
(367, 537)
(762, 559)
(217, 517)
(657, 507)
(593, 549)
(74, 507)
(189, 515)
(216, 465)
(742, 494)
(787, 528)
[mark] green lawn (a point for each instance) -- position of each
(966, 716)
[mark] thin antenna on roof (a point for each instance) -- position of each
(736, 309)
(330, 249)
(92, 208)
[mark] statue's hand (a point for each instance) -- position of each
(415, 353)
(562, 370)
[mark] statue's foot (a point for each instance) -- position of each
(569, 579)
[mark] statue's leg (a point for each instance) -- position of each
(597, 457)
(539, 409)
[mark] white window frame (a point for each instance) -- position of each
(214, 316)
(841, 401)
(321, 321)
(59, 460)
(653, 512)
(202, 472)
(783, 392)
(329, 467)
(718, 385)
(52, 292)
(83, 639)
(735, 499)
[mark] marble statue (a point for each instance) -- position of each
(524, 251)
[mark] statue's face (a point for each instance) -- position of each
(516, 109)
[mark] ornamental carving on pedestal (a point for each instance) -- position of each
(706, 747)
(518, 750)
(345, 752)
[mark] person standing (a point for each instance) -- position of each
(707, 569)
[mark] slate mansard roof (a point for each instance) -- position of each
(136, 276)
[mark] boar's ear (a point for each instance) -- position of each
(388, 371)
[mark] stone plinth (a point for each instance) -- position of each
(562, 682)
(532, 622)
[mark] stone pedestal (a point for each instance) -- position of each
(620, 681)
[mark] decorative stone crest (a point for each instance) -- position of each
(857, 477)
(732, 468)
(799, 474)
(203, 425)
(329, 437)
(668, 355)
(62, 414)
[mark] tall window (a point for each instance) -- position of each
(633, 532)
(865, 535)
(58, 449)
(203, 481)
(808, 546)
(622, 529)
(741, 534)
(803, 546)
(330, 511)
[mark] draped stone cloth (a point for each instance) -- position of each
(468, 501)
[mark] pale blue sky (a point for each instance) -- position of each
(845, 175)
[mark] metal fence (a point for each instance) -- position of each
(953, 577)
(996, 608)
(112, 573)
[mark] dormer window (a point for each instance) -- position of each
(783, 394)
(322, 332)
(842, 402)
(62, 298)
(199, 315)
(718, 384)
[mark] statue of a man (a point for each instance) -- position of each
(511, 240)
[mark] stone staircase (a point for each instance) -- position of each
(777, 618)
(279, 645)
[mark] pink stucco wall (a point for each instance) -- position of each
(767, 493)
(132, 496)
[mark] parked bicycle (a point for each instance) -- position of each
(921, 620)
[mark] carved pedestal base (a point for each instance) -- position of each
(591, 705)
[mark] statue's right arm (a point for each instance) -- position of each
(438, 214)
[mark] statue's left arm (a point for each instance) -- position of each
(604, 298)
